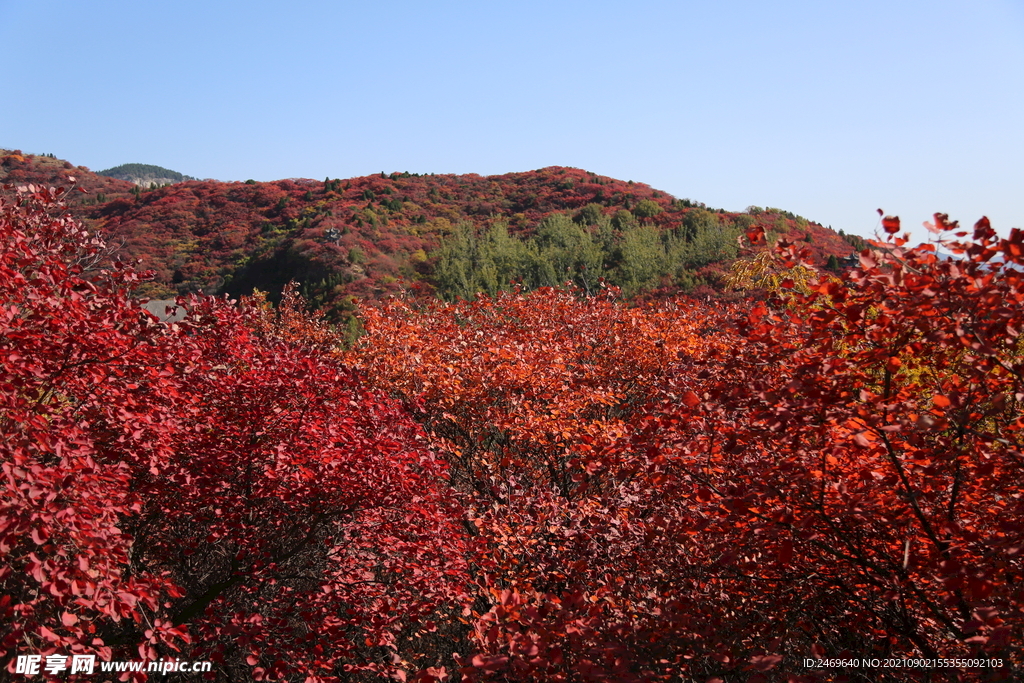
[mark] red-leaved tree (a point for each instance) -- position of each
(218, 488)
(854, 463)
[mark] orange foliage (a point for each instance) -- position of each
(542, 403)
(289, 322)
(532, 385)
(687, 492)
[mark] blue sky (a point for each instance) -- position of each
(827, 109)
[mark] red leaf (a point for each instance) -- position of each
(489, 664)
(765, 662)
(786, 552)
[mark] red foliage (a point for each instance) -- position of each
(856, 461)
(666, 493)
(541, 403)
(48, 171)
(221, 488)
(230, 237)
(673, 491)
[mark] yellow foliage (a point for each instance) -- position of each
(762, 271)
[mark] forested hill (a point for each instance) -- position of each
(453, 235)
(146, 175)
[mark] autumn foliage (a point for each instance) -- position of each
(382, 234)
(534, 486)
(210, 489)
(829, 474)
(542, 403)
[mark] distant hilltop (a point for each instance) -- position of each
(373, 236)
(145, 175)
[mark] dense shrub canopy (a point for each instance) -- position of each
(211, 489)
(699, 492)
(530, 486)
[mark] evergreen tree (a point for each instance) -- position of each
(643, 258)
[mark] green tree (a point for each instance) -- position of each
(697, 220)
(643, 259)
(570, 249)
(704, 239)
(459, 262)
(589, 214)
(647, 209)
(511, 258)
(623, 219)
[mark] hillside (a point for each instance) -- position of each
(145, 175)
(452, 235)
(19, 168)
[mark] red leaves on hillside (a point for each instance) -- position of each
(372, 236)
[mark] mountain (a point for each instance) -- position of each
(145, 175)
(452, 235)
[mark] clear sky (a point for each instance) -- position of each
(827, 109)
